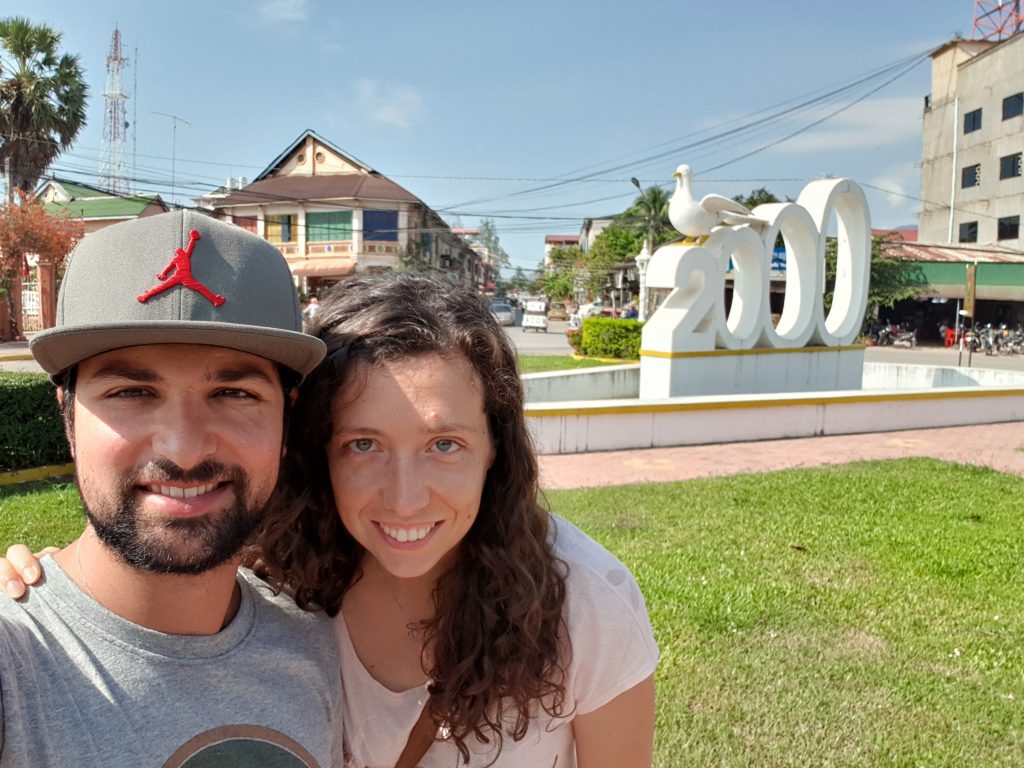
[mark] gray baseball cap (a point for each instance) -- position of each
(177, 278)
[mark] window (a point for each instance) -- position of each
(1013, 105)
(1009, 166)
(280, 229)
(969, 232)
(972, 121)
(1009, 228)
(328, 225)
(247, 223)
(380, 226)
(970, 176)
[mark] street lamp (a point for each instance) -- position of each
(641, 267)
(645, 253)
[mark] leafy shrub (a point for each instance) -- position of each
(31, 429)
(611, 337)
(575, 337)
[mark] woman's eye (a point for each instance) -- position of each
(446, 446)
(361, 446)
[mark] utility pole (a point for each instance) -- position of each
(174, 143)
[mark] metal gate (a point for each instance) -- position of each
(31, 315)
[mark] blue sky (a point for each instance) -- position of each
(472, 105)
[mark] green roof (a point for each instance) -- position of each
(80, 190)
(103, 207)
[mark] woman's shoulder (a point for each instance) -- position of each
(609, 630)
(594, 573)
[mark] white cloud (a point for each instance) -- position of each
(898, 186)
(872, 123)
(390, 105)
(274, 11)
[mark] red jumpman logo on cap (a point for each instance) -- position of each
(182, 266)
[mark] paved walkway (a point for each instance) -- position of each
(1000, 446)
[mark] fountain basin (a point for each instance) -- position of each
(599, 409)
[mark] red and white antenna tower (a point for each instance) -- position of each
(113, 163)
(997, 20)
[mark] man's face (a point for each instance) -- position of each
(177, 449)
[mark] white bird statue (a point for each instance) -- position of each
(696, 220)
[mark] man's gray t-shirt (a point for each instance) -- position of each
(82, 686)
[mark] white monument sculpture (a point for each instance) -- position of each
(692, 346)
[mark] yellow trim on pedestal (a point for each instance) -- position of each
(765, 401)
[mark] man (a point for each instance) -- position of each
(176, 353)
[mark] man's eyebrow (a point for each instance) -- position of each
(141, 375)
(237, 374)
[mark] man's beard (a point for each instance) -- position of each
(180, 546)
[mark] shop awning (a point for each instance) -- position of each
(325, 267)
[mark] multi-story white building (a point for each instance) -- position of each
(972, 189)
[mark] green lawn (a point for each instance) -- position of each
(542, 363)
(863, 615)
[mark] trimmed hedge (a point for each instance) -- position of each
(575, 338)
(611, 337)
(31, 429)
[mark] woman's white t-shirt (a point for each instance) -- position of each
(613, 649)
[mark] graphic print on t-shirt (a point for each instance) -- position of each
(241, 746)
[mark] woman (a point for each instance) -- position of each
(456, 597)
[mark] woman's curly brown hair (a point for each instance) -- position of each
(499, 650)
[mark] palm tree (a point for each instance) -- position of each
(649, 216)
(42, 99)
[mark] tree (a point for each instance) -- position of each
(27, 228)
(892, 279)
(756, 198)
(519, 281)
(615, 245)
(647, 215)
(559, 276)
(491, 244)
(42, 99)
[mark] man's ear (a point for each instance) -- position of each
(66, 413)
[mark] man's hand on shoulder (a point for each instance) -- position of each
(20, 569)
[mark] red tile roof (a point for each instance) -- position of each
(337, 186)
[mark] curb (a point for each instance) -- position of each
(15, 356)
(36, 473)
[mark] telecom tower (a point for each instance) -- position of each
(997, 20)
(113, 163)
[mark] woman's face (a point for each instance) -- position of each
(408, 456)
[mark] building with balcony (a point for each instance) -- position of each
(332, 215)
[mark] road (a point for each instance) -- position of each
(531, 342)
(554, 343)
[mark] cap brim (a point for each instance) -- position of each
(59, 348)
